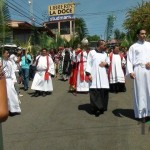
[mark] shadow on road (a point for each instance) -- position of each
(86, 107)
(124, 112)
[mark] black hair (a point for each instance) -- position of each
(43, 49)
(139, 30)
(99, 42)
(4, 51)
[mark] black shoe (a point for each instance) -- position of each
(124, 90)
(25, 89)
(105, 109)
(36, 94)
(97, 113)
(43, 94)
(14, 113)
(48, 93)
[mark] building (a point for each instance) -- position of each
(61, 20)
(21, 31)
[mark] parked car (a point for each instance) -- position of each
(12, 48)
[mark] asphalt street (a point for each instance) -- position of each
(62, 121)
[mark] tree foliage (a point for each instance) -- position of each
(138, 17)
(80, 28)
(118, 35)
(4, 17)
(93, 38)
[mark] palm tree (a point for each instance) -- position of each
(138, 17)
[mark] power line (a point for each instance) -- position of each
(33, 8)
(103, 13)
(24, 9)
(20, 12)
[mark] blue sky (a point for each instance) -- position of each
(94, 12)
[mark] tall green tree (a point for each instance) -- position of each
(138, 17)
(80, 28)
(4, 17)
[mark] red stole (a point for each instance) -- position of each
(46, 76)
(83, 77)
(74, 72)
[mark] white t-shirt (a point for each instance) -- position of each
(13, 59)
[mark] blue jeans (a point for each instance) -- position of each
(25, 75)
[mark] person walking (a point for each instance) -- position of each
(115, 71)
(13, 100)
(82, 79)
(25, 66)
(138, 67)
(97, 62)
(42, 82)
(15, 59)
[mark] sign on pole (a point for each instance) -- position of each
(61, 9)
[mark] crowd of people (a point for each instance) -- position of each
(97, 72)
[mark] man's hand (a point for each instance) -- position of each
(132, 75)
(102, 64)
(147, 65)
(90, 77)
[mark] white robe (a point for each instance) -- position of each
(99, 74)
(13, 101)
(137, 56)
(117, 74)
(82, 86)
(39, 83)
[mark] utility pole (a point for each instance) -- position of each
(31, 11)
(32, 36)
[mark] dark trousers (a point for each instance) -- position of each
(99, 98)
(25, 75)
(117, 87)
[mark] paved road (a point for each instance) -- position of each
(62, 121)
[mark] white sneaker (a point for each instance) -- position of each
(20, 95)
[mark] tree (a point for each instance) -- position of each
(4, 17)
(80, 28)
(93, 38)
(110, 26)
(118, 35)
(45, 41)
(138, 17)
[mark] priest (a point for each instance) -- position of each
(42, 82)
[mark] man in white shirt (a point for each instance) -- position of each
(13, 101)
(99, 85)
(138, 67)
(16, 66)
(42, 81)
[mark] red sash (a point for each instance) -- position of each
(46, 77)
(83, 77)
(74, 72)
(46, 72)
